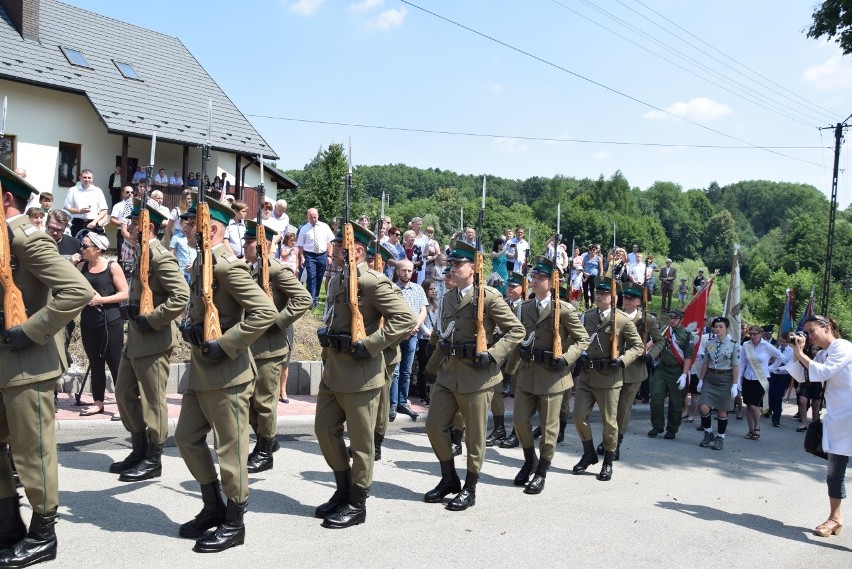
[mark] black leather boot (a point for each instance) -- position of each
(230, 533)
(536, 485)
(354, 512)
(343, 480)
(530, 464)
(511, 441)
(38, 545)
(377, 444)
(140, 448)
(151, 467)
(617, 454)
(449, 484)
(561, 436)
(210, 516)
(12, 528)
(262, 457)
(456, 438)
(589, 458)
(467, 497)
(499, 432)
(606, 469)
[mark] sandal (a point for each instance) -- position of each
(750, 435)
(93, 410)
(690, 419)
(829, 527)
(755, 435)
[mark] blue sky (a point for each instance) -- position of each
(385, 63)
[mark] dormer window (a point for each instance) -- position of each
(127, 70)
(75, 57)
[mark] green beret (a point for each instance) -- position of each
(604, 286)
(461, 251)
(219, 211)
(251, 231)
(362, 235)
(632, 290)
(516, 279)
(13, 183)
(544, 266)
(154, 215)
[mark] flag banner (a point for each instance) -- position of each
(787, 314)
(732, 300)
(809, 310)
(694, 314)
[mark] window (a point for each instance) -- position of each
(69, 164)
(7, 151)
(75, 57)
(127, 70)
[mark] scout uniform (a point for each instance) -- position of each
(352, 380)
(674, 359)
(601, 380)
(465, 380)
(140, 389)
(637, 372)
(32, 358)
(542, 379)
(221, 376)
(270, 351)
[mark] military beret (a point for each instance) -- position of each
(13, 183)
(461, 251)
(190, 212)
(384, 250)
(251, 231)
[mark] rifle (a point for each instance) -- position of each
(613, 295)
(555, 302)
(378, 262)
(478, 289)
(262, 245)
(212, 329)
(524, 287)
(146, 296)
(350, 265)
(14, 312)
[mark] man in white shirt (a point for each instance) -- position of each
(519, 248)
(86, 203)
(633, 256)
(314, 242)
(161, 178)
(236, 229)
(117, 215)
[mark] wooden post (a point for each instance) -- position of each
(125, 175)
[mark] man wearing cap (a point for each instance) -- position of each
(668, 275)
(32, 358)
(637, 372)
(271, 349)
(465, 379)
(602, 376)
(543, 377)
(140, 389)
(671, 377)
(354, 373)
(221, 376)
(498, 407)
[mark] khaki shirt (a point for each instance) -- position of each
(291, 300)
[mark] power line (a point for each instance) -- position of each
(529, 138)
(601, 85)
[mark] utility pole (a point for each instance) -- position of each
(829, 255)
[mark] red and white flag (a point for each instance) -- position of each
(694, 314)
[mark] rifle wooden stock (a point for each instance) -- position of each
(378, 262)
(612, 311)
(211, 325)
(524, 288)
(556, 307)
(263, 260)
(14, 311)
(479, 291)
(146, 297)
(358, 332)
(644, 318)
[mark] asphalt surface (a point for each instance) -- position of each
(670, 504)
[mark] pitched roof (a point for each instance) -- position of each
(175, 110)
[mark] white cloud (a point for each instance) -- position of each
(601, 155)
(699, 109)
(496, 87)
(365, 5)
(389, 19)
(833, 74)
(306, 7)
(511, 145)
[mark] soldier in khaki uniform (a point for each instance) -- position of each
(221, 382)
(140, 390)
(671, 377)
(352, 378)
(542, 379)
(465, 379)
(270, 351)
(602, 377)
(32, 357)
(637, 372)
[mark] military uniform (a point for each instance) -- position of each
(601, 380)
(542, 380)
(352, 380)
(665, 380)
(221, 382)
(270, 352)
(32, 358)
(465, 380)
(143, 372)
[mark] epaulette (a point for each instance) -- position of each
(29, 230)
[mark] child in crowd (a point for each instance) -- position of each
(45, 200)
(681, 292)
(179, 246)
(576, 284)
(36, 215)
(437, 275)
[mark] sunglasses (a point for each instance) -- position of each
(84, 247)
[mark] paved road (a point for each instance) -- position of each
(670, 504)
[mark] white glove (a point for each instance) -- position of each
(700, 385)
(735, 389)
(681, 382)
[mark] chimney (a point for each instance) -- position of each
(24, 15)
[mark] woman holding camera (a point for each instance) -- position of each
(832, 367)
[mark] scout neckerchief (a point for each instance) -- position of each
(674, 347)
(751, 357)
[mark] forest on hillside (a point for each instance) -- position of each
(781, 227)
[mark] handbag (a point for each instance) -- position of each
(813, 440)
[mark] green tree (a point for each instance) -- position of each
(833, 18)
(719, 245)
